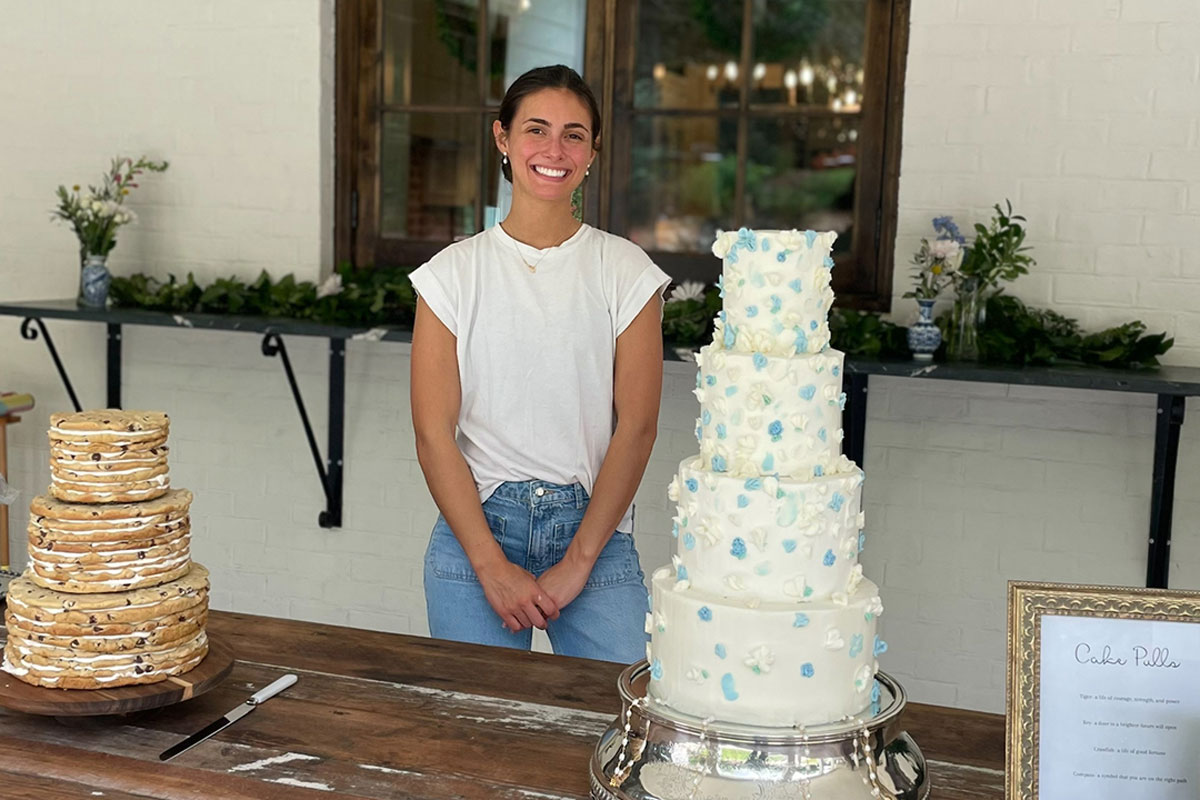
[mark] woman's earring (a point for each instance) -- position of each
(587, 171)
(505, 159)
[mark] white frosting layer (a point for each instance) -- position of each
(131, 435)
(765, 538)
(763, 415)
(776, 290)
(779, 664)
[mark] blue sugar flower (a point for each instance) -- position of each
(751, 311)
(836, 370)
(718, 464)
(705, 417)
(781, 256)
(818, 471)
(674, 530)
(842, 401)
(699, 434)
(692, 484)
(789, 545)
(801, 340)
(705, 613)
(763, 568)
(811, 236)
(768, 464)
(822, 435)
(746, 239)
(720, 430)
(862, 542)
(730, 391)
(656, 670)
(760, 361)
(856, 645)
(681, 573)
(689, 541)
(766, 245)
(813, 325)
(828, 262)
(721, 285)
(829, 558)
(776, 430)
(711, 380)
(880, 646)
(727, 687)
(742, 501)
(753, 484)
(801, 621)
(719, 650)
(738, 550)
(808, 590)
(837, 501)
(731, 256)
(776, 304)
(795, 285)
(808, 392)
(730, 335)
(757, 280)
(807, 669)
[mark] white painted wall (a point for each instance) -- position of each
(1085, 112)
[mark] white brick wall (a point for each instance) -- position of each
(1083, 112)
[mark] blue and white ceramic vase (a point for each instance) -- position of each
(924, 337)
(94, 280)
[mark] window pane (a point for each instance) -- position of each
(687, 54)
(682, 183)
(429, 175)
(524, 34)
(800, 174)
(809, 53)
(429, 52)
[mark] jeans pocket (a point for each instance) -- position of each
(618, 563)
(446, 558)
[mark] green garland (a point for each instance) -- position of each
(1013, 334)
(369, 297)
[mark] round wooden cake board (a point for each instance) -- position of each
(21, 696)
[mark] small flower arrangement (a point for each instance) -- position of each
(96, 215)
(688, 313)
(937, 262)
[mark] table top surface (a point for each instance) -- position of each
(377, 715)
(1161, 380)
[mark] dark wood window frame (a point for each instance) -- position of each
(864, 276)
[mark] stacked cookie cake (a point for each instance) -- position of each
(111, 596)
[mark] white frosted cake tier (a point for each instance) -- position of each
(763, 415)
(765, 539)
(777, 665)
(776, 290)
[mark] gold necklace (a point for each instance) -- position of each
(533, 267)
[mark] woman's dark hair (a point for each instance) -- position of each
(558, 76)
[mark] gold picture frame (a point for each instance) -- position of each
(1027, 603)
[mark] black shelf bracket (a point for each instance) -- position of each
(329, 471)
(114, 365)
(30, 333)
(1167, 426)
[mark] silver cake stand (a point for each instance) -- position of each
(652, 752)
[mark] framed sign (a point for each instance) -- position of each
(1103, 693)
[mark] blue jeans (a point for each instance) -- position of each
(533, 522)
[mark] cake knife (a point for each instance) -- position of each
(221, 723)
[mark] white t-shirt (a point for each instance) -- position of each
(536, 350)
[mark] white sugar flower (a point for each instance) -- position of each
(759, 660)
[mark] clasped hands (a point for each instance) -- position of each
(523, 601)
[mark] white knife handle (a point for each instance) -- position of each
(272, 689)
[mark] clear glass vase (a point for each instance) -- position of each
(962, 339)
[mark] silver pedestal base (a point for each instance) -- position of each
(652, 752)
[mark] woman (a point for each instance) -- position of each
(540, 340)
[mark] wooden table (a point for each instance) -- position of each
(378, 715)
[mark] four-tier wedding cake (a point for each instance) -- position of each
(765, 617)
